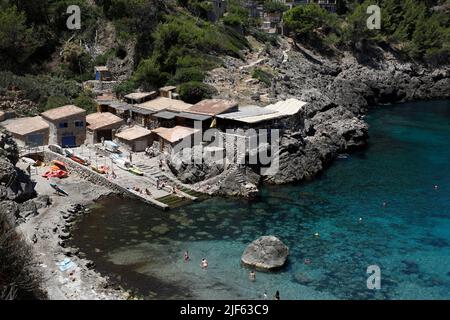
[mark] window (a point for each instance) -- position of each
(79, 123)
(63, 125)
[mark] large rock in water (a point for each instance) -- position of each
(266, 253)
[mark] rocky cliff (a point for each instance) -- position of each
(339, 90)
(19, 278)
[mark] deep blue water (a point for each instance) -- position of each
(409, 239)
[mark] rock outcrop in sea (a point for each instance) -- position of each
(266, 253)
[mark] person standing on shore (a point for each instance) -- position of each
(277, 295)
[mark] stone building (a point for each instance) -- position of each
(67, 125)
(219, 7)
(167, 139)
(102, 73)
(135, 138)
(31, 131)
(102, 126)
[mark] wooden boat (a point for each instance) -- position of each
(80, 160)
(56, 174)
(136, 171)
(100, 169)
(58, 189)
(123, 164)
(61, 165)
(29, 161)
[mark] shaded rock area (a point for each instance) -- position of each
(266, 253)
(15, 185)
(20, 277)
(188, 169)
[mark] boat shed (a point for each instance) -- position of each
(167, 92)
(140, 97)
(255, 116)
(31, 131)
(104, 101)
(163, 103)
(102, 73)
(168, 138)
(67, 125)
(135, 138)
(102, 126)
(188, 119)
(165, 119)
(214, 107)
(144, 113)
(120, 109)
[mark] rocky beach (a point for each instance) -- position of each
(44, 220)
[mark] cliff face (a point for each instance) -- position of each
(339, 91)
(18, 276)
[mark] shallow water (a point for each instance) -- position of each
(409, 239)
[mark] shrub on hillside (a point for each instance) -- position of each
(193, 92)
(262, 76)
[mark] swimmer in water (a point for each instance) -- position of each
(186, 256)
(252, 275)
(385, 204)
(204, 264)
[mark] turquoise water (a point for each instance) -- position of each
(409, 238)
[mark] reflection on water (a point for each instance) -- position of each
(409, 238)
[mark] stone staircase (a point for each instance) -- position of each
(172, 200)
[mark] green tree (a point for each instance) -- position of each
(149, 75)
(193, 92)
(274, 6)
(392, 15)
(356, 29)
(17, 42)
(304, 21)
(56, 102)
(413, 12)
(86, 102)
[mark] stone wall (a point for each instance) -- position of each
(100, 86)
(85, 172)
(56, 133)
(95, 178)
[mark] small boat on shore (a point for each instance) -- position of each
(135, 171)
(122, 163)
(61, 165)
(80, 160)
(29, 161)
(100, 169)
(58, 189)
